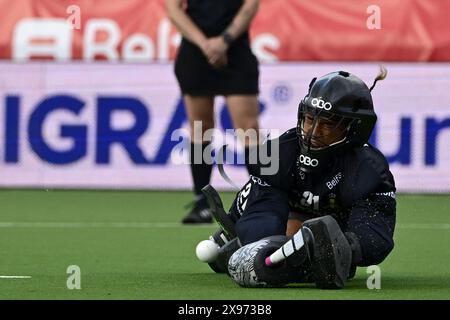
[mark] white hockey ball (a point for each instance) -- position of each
(207, 251)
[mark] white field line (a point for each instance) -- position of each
(168, 225)
(15, 277)
(423, 226)
(131, 225)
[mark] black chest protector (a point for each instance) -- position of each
(352, 176)
(318, 192)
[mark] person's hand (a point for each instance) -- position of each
(215, 50)
(221, 62)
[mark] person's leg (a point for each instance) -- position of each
(200, 110)
(244, 110)
(247, 266)
(319, 252)
(260, 210)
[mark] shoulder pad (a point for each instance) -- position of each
(288, 136)
(366, 171)
(373, 156)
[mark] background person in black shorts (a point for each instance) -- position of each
(214, 58)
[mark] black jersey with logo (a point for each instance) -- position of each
(352, 175)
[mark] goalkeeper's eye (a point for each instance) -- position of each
(328, 124)
(309, 119)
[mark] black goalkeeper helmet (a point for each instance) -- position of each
(343, 103)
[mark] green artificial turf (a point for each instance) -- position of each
(130, 245)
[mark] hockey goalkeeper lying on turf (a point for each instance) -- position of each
(329, 208)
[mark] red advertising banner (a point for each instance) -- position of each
(283, 30)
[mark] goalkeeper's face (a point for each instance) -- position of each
(322, 132)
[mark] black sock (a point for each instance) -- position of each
(201, 171)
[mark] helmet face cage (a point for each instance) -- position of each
(336, 124)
